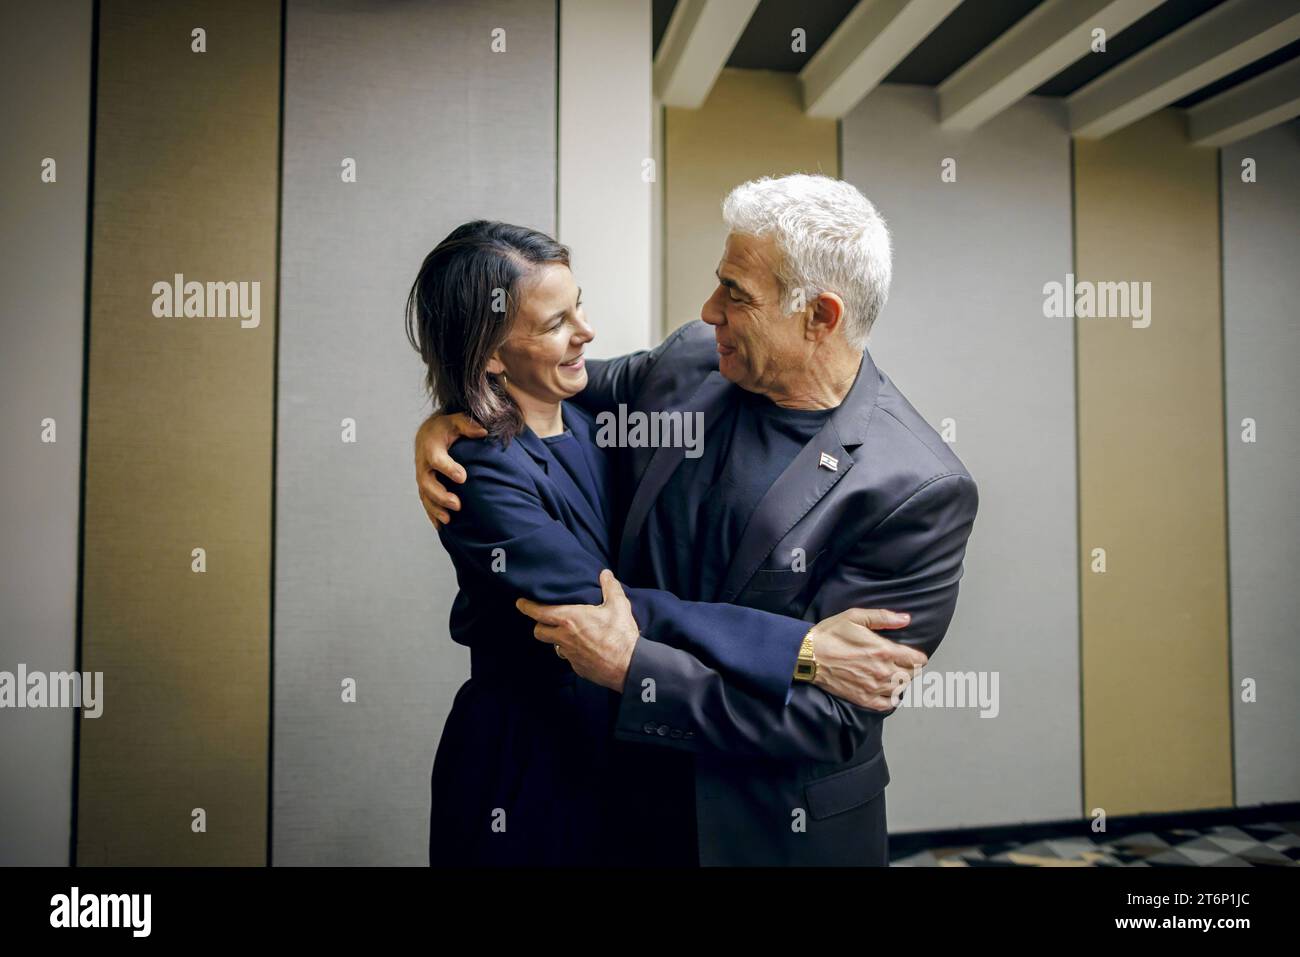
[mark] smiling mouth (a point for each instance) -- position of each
(725, 349)
(574, 363)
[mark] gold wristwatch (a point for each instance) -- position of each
(805, 668)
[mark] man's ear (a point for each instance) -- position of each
(825, 317)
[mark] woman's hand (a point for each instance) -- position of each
(433, 441)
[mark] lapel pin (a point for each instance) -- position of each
(829, 462)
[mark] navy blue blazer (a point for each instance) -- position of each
(525, 735)
(886, 527)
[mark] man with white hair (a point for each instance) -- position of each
(820, 490)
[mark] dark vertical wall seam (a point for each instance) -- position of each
(1227, 495)
(275, 446)
(1078, 493)
(85, 408)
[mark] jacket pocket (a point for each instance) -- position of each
(784, 577)
(847, 789)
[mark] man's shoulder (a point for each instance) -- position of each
(907, 448)
(697, 336)
(683, 361)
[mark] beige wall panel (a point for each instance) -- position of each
(605, 197)
(751, 125)
(1157, 723)
(179, 434)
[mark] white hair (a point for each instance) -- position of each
(830, 237)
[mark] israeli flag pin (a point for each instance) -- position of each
(829, 462)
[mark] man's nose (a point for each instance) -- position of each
(711, 312)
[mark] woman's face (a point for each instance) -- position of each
(543, 357)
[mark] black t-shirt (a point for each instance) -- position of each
(699, 519)
(706, 505)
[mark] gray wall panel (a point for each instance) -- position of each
(442, 130)
(1261, 322)
(45, 53)
(964, 336)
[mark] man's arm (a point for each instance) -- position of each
(614, 382)
(511, 542)
(610, 382)
(699, 710)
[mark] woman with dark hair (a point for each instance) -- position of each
(527, 771)
(497, 318)
(459, 316)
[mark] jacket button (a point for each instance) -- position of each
(648, 727)
(676, 733)
(663, 730)
(689, 734)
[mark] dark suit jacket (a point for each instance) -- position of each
(801, 783)
(527, 744)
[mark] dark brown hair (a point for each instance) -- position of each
(460, 310)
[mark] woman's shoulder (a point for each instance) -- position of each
(487, 451)
(495, 473)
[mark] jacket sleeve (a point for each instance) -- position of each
(507, 540)
(614, 382)
(674, 700)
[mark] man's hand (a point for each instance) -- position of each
(597, 640)
(856, 664)
(434, 438)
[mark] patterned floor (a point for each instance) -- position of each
(1245, 845)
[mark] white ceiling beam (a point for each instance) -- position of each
(1246, 109)
(864, 48)
(1052, 36)
(1213, 45)
(698, 42)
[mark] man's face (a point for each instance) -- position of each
(757, 343)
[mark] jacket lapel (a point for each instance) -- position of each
(564, 486)
(597, 463)
(815, 471)
(710, 399)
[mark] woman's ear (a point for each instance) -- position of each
(495, 365)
